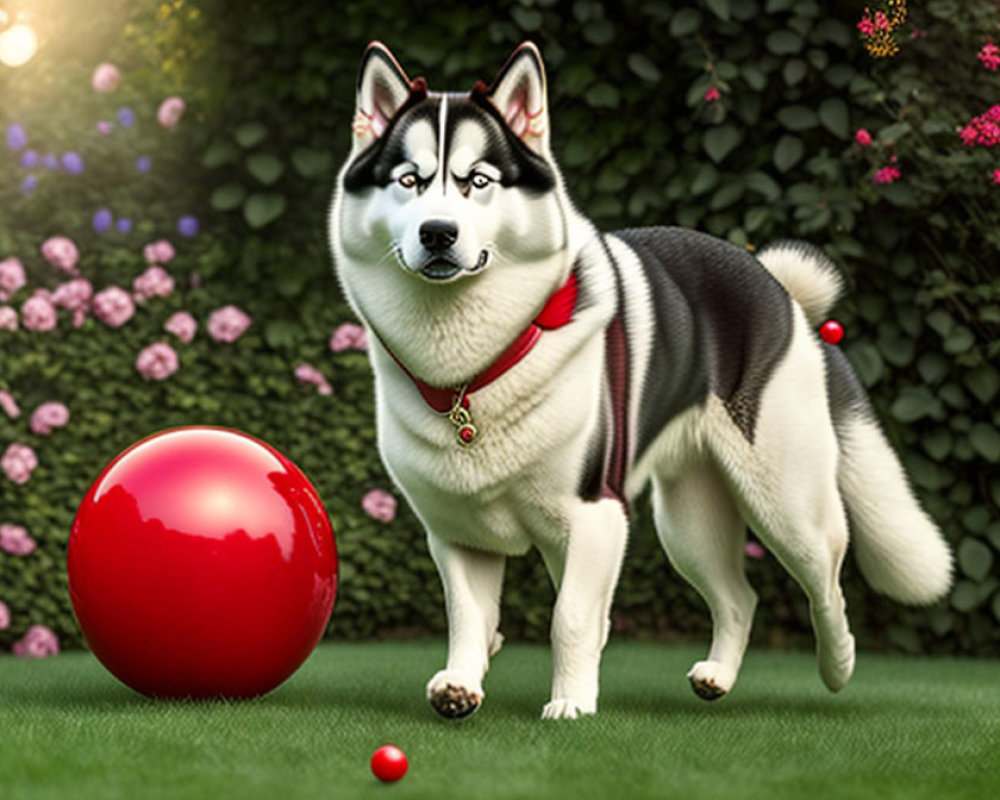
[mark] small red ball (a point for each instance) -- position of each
(202, 564)
(831, 332)
(389, 763)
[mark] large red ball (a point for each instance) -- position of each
(202, 564)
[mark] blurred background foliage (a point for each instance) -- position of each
(270, 90)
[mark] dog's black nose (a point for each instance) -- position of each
(438, 234)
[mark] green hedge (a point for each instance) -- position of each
(270, 87)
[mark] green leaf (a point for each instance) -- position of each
(833, 116)
(726, 195)
(898, 350)
(959, 340)
(599, 32)
(985, 440)
(219, 153)
(938, 443)
(764, 185)
(755, 77)
(704, 180)
(311, 163)
(227, 197)
(965, 596)
(941, 321)
(685, 22)
(983, 382)
(794, 71)
(975, 558)
(915, 402)
(797, 118)
(263, 208)
(720, 8)
(643, 66)
(527, 19)
(756, 218)
(280, 333)
(720, 141)
(603, 95)
(784, 42)
(250, 134)
(265, 167)
(788, 152)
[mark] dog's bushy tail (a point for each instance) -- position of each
(900, 551)
(807, 274)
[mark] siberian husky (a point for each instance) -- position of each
(533, 374)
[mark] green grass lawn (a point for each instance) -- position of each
(904, 728)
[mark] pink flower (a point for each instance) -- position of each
(170, 111)
(886, 175)
(157, 362)
(862, 137)
(48, 416)
(996, 179)
(866, 26)
(307, 373)
(882, 21)
(106, 78)
(154, 282)
(105, 127)
(379, 505)
(61, 253)
(75, 296)
(8, 319)
(38, 313)
(711, 95)
(161, 252)
(990, 56)
(11, 277)
(349, 337)
(754, 550)
(227, 324)
(983, 130)
(38, 642)
(18, 462)
(15, 540)
(113, 306)
(8, 404)
(4, 616)
(182, 325)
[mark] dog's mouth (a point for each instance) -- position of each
(444, 269)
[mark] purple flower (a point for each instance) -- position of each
(124, 225)
(143, 163)
(188, 225)
(72, 162)
(38, 642)
(28, 184)
(126, 116)
(103, 220)
(16, 137)
(30, 159)
(105, 127)
(49, 161)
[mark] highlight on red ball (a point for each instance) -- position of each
(831, 332)
(389, 763)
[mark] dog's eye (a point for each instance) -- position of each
(479, 180)
(408, 180)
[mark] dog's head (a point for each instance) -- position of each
(447, 186)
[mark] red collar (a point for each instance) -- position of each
(557, 312)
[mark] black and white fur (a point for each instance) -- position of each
(450, 228)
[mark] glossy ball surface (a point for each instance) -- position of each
(389, 763)
(202, 563)
(831, 332)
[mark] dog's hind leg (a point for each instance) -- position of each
(473, 582)
(585, 568)
(704, 536)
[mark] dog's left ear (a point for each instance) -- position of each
(383, 89)
(519, 93)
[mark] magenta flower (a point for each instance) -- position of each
(866, 26)
(157, 362)
(989, 56)
(348, 336)
(886, 175)
(161, 252)
(38, 313)
(170, 111)
(106, 78)
(38, 642)
(4, 616)
(862, 137)
(113, 306)
(15, 540)
(983, 130)
(8, 319)
(8, 404)
(996, 179)
(227, 324)
(754, 550)
(105, 127)
(61, 253)
(307, 373)
(18, 462)
(49, 416)
(711, 95)
(11, 277)
(154, 282)
(182, 325)
(380, 505)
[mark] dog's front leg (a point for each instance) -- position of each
(472, 581)
(585, 570)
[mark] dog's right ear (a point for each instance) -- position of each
(383, 89)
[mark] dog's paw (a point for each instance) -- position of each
(453, 695)
(711, 680)
(837, 671)
(564, 708)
